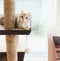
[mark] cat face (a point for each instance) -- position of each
(24, 16)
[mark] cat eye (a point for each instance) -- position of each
(22, 17)
(26, 17)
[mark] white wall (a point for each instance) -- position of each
(54, 23)
(1, 7)
(58, 14)
(57, 28)
(51, 16)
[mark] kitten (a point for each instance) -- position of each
(22, 21)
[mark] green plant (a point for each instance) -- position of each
(39, 28)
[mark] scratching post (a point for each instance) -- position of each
(9, 14)
(9, 23)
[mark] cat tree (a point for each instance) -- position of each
(10, 31)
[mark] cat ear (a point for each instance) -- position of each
(29, 14)
(22, 11)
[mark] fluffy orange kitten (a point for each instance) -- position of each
(24, 20)
(21, 22)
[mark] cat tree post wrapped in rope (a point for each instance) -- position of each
(11, 40)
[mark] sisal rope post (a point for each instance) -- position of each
(9, 23)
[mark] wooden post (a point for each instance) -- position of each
(11, 40)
